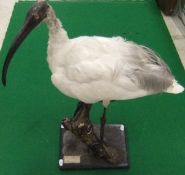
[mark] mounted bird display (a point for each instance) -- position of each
(93, 69)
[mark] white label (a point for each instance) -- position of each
(71, 159)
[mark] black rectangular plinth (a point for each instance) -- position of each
(76, 155)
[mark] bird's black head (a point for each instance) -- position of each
(35, 15)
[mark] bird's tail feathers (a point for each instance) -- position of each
(175, 88)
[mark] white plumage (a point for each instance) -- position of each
(95, 68)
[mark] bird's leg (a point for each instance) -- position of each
(82, 112)
(78, 108)
(103, 121)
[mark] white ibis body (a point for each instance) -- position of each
(95, 68)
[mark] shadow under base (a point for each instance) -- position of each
(76, 155)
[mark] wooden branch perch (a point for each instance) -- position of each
(81, 127)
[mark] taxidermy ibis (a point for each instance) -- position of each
(95, 68)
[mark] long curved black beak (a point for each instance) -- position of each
(35, 15)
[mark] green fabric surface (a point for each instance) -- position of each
(31, 108)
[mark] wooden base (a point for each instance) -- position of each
(76, 155)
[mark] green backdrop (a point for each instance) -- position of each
(31, 108)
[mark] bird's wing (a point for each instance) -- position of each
(117, 61)
(151, 73)
(88, 71)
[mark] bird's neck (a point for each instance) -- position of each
(57, 34)
(58, 38)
